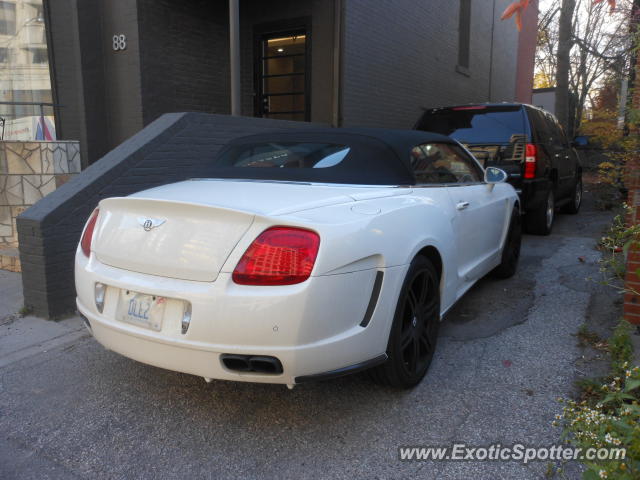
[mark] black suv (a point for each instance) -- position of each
(526, 142)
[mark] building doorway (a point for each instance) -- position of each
(282, 75)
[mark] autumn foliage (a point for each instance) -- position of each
(516, 9)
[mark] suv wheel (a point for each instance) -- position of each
(540, 220)
(574, 205)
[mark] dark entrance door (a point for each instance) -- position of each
(282, 75)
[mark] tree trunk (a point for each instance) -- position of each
(565, 42)
(582, 99)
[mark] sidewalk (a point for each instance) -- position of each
(10, 293)
(22, 337)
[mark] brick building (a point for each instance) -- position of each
(119, 64)
(631, 306)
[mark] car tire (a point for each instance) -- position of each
(573, 206)
(414, 332)
(540, 220)
(511, 250)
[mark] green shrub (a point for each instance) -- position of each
(615, 244)
(621, 348)
(613, 422)
(608, 415)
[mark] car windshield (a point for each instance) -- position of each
(284, 155)
(476, 124)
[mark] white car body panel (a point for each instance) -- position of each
(191, 246)
(311, 327)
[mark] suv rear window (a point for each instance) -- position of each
(476, 124)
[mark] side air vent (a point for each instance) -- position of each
(373, 301)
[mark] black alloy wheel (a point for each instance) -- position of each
(414, 332)
(511, 250)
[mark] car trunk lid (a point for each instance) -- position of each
(188, 230)
(167, 238)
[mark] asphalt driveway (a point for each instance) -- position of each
(71, 409)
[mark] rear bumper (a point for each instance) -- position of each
(311, 328)
(340, 372)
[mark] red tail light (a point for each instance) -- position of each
(87, 236)
(530, 161)
(279, 256)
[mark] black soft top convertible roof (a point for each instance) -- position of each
(377, 156)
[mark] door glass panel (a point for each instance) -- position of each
(285, 45)
(543, 132)
(285, 103)
(283, 77)
(287, 84)
(557, 134)
(299, 117)
(443, 163)
(283, 65)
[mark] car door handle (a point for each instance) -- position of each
(462, 205)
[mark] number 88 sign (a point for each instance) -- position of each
(119, 42)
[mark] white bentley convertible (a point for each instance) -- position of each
(305, 255)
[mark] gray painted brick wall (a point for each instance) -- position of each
(173, 148)
(65, 57)
(400, 55)
(98, 89)
(122, 84)
(184, 56)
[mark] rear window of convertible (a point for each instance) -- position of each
(284, 155)
(331, 157)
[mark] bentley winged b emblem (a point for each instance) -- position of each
(150, 223)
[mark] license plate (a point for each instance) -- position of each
(141, 309)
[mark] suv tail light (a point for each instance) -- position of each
(87, 235)
(530, 161)
(279, 256)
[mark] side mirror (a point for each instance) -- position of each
(580, 141)
(493, 175)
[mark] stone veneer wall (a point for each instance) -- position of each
(28, 172)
